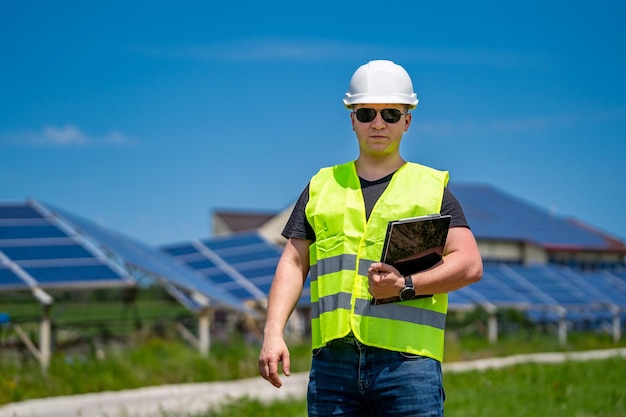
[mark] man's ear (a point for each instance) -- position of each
(407, 121)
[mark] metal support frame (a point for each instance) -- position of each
(203, 341)
(617, 323)
(493, 327)
(204, 332)
(43, 352)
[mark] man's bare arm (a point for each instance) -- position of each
(461, 266)
(291, 273)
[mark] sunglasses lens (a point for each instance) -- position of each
(391, 115)
(366, 115)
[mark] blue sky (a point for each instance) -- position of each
(147, 116)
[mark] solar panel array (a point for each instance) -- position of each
(39, 251)
(43, 247)
(182, 283)
(494, 214)
(543, 290)
(46, 250)
(242, 264)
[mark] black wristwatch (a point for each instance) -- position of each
(408, 292)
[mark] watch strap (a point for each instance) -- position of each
(408, 281)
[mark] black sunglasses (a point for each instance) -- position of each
(366, 115)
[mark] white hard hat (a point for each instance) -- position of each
(380, 81)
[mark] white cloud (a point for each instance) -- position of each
(64, 136)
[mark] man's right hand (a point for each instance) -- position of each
(274, 350)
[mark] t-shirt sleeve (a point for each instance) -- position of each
(298, 226)
(451, 206)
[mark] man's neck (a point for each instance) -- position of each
(372, 169)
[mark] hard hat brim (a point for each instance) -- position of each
(350, 101)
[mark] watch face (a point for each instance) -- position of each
(407, 294)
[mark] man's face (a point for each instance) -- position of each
(379, 137)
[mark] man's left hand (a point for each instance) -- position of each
(384, 280)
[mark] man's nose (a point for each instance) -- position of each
(378, 120)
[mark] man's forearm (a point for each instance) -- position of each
(284, 295)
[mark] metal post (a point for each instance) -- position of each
(492, 322)
(493, 328)
(204, 332)
(617, 325)
(562, 327)
(44, 338)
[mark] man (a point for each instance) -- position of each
(368, 359)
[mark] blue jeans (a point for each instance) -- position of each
(350, 379)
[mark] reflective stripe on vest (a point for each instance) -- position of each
(346, 245)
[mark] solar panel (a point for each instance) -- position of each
(18, 211)
(60, 275)
(9, 280)
(497, 292)
(547, 291)
(494, 214)
(38, 250)
(242, 264)
(556, 286)
(150, 260)
(616, 279)
(516, 282)
(33, 252)
(459, 300)
(39, 230)
(255, 259)
(600, 285)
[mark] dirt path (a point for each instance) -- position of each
(196, 398)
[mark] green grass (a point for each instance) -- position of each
(571, 389)
(149, 362)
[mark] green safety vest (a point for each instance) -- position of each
(346, 244)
